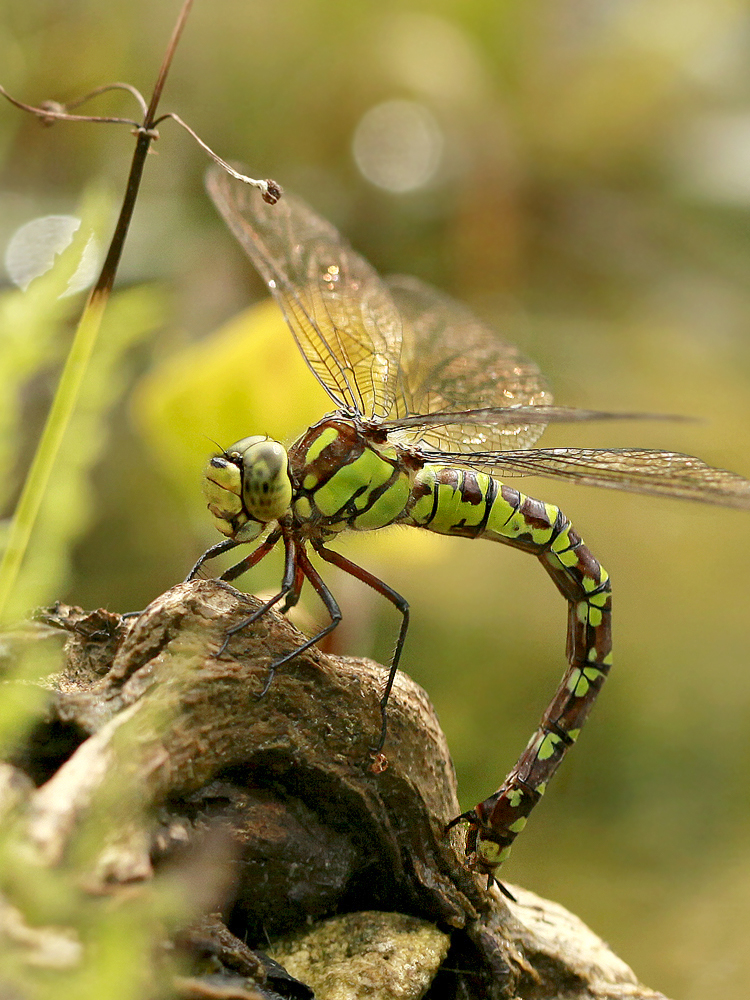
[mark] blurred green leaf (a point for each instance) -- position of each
(68, 505)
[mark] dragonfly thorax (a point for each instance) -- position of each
(247, 486)
(346, 477)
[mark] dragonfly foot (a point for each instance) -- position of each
(289, 603)
(376, 751)
(470, 817)
(269, 678)
(222, 648)
(491, 880)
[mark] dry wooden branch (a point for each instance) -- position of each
(272, 805)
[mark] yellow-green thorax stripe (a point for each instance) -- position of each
(344, 479)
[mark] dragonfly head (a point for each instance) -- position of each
(247, 486)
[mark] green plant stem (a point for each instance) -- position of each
(49, 445)
(66, 396)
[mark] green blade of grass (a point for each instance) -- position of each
(55, 426)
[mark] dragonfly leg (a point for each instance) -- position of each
(292, 554)
(297, 568)
(215, 550)
(544, 530)
(251, 560)
(400, 603)
(308, 571)
(293, 596)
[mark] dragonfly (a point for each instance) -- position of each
(433, 410)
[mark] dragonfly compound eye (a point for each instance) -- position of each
(266, 486)
(222, 488)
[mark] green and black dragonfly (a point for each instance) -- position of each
(431, 406)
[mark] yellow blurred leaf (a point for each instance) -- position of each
(246, 378)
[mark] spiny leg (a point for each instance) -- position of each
(544, 530)
(297, 567)
(253, 559)
(293, 596)
(403, 607)
(215, 550)
(329, 601)
(291, 554)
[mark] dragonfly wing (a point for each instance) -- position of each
(662, 473)
(451, 361)
(522, 414)
(340, 311)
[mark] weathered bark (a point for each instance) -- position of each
(273, 802)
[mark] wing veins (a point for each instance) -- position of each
(635, 470)
(522, 415)
(341, 313)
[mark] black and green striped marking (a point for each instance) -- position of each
(430, 405)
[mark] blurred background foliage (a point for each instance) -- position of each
(578, 171)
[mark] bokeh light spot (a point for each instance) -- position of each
(398, 145)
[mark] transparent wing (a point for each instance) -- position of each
(338, 308)
(663, 473)
(451, 361)
(522, 414)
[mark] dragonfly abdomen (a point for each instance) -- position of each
(459, 501)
